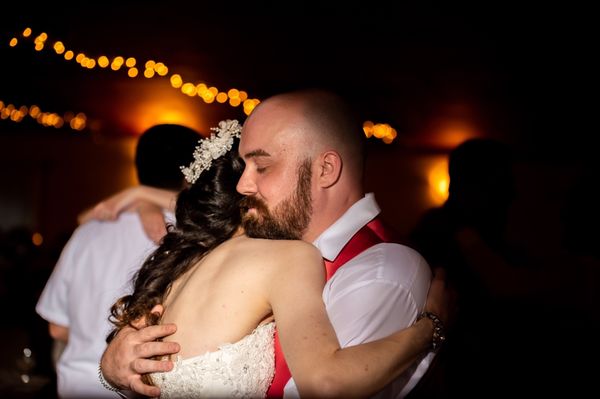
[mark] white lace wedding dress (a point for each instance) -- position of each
(243, 369)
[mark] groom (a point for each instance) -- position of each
(303, 179)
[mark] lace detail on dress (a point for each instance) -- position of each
(243, 369)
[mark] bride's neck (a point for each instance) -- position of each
(239, 232)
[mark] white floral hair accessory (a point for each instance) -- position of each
(211, 148)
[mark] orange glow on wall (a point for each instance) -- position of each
(452, 124)
(455, 132)
(439, 181)
(156, 102)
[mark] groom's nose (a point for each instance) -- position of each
(246, 185)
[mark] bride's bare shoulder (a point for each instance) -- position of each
(268, 248)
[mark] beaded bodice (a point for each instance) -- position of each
(243, 369)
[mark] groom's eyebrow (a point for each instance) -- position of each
(256, 153)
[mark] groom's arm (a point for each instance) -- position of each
(129, 354)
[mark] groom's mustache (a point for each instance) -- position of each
(252, 202)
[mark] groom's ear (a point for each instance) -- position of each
(330, 168)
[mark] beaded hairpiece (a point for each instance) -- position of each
(212, 148)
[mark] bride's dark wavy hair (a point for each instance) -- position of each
(207, 214)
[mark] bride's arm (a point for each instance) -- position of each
(129, 199)
(318, 364)
(148, 201)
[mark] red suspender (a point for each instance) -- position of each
(370, 234)
(282, 372)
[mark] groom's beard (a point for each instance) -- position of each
(289, 219)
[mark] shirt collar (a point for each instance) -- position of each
(332, 240)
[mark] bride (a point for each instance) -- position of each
(225, 291)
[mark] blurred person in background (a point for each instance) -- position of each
(99, 260)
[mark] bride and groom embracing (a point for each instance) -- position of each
(222, 278)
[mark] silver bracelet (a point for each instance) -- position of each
(106, 384)
(439, 333)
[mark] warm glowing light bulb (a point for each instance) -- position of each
(379, 131)
(221, 97)
(176, 81)
(59, 47)
(249, 105)
(162, 70)
(117, 63)
(208, 97)
(201, 89)
(189, 89)
(34, 111)
(233, 93)
(103, 61)
(37, 239)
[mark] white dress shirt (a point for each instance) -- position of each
(94, 270)
(378, 292)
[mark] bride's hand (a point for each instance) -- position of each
(153, 221)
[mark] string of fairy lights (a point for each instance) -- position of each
(151, 69)
(47, 119)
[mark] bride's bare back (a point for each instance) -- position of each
(247, 282)
(228, 293)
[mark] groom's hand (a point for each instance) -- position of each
(128, 355)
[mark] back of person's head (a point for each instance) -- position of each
(481, 173)
(160, 152)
